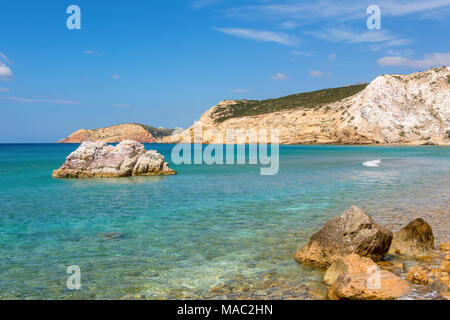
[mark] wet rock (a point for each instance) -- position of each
(445, 266)
(445, 246)
(445, 295)
(416, 239)
(445, 280)
(381, 285)
(352, 263)
(417, 275)
(352, 232)
(100, 160)
(408, 265)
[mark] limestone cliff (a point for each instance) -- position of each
(115, 134)
(392, 109)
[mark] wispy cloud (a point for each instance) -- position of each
(263, 36)
(198, 4)
(339, 35)
(316, 73)
(93, 53)
(121, 105)
(429, 61)
(115, 76)
(390, 44)
(400, 8)
(302, 53)
(240, 91)
(3, 89)
(289, 25)
(280, 76)
(5, 72)
(332, 56)
(39, 100)
(313, 11)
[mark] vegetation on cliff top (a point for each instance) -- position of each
(156, 132)
(307, 100)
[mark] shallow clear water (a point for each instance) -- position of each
(179, 236)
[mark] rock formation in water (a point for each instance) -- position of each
(115, 134)
(392, 109)
(352, 232)
(100, 160)
(416, 239)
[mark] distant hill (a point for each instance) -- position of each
(115, 134)
(392, 109)
(307, 100)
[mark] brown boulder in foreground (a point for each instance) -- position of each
(416, 239)
(381, 285)
(100, 160)
(352, 263)
(352, 232)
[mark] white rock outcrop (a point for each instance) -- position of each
(100, 160)
(392, 109)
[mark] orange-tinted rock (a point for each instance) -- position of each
(381, 285)
(118, 133)
(445, 266)
(445, 246)
(352, 263)
(417, 275)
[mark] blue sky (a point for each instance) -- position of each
(164, 63)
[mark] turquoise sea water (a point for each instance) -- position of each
(180, 236)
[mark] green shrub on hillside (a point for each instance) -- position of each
(308, 100)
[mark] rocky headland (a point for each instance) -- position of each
(115, 134)
(392, 109)
(100, 160)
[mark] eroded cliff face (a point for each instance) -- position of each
(114, 134)
(392, 109)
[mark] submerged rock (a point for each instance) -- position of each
(352, 263)
(112, 235)
(352, 232)
(417, 275)
(100, 160)
(416, 239)
(381, 285)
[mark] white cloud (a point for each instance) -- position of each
(198, 4)
(3, 89)
(280, 76)
(115, 76)
(289, 25)
(121, 105)
(240, 91)
(313, 11)
(429, 61)
(338, 35)
(332, 56)
(303, 53)
(5, 72)
(400, 8)
(263, 36)
(93, 53)
(316, 73)
(39, 100)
